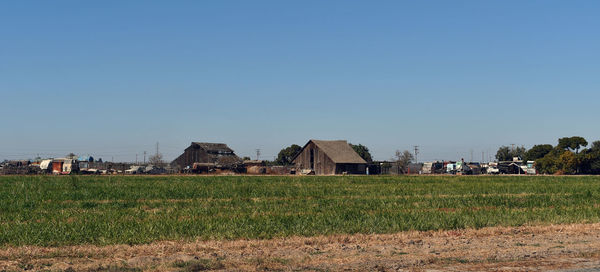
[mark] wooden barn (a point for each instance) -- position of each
(329, 158)
(217, 154)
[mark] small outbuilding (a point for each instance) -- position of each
(329, 158)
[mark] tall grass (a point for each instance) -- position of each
(52, 211)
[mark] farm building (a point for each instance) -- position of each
(329, 158)
(59, 166)
(208, 153)
(255, 167)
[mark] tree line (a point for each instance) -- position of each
(570, 156)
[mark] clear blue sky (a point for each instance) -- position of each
(112, 78)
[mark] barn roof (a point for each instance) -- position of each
(338, 151)
(213, 147)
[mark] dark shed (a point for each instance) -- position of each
(329, 158)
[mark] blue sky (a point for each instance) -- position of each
(112, 78)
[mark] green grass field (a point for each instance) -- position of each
(68, 210)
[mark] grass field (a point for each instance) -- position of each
(71, 210)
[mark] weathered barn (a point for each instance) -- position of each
(329, 158)
(213, 153)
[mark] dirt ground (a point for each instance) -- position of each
(529, 248)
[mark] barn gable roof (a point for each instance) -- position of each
(215, 147)
(338, 151)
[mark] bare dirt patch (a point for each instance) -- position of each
(528, 248)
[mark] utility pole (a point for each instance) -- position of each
(157, 149)
(416, 153)
(136, 158)
(257, 153)
(471, 155)
(482, 153)
(144, 157)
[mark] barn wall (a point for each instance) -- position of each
(323, 164)
(302, 161)
(192, 155)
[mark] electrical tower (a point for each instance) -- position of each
(257, 153)
(416, 153)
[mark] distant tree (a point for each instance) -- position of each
(403, 159)
(71, 156)
(156, 160)
(568, 163)
(363, 152)
(589, 159)
(286, 155)
(595, 146)
(548, 164)
(566, 159)
(506, 153)
(572, 143)
(538, 152)
(503, 154)
(246, 158)
(594, 158)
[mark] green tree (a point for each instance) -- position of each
(595, 146)
(572, 143)
(590, 159)
(548, 164)
(594, 163)
(506, 153)
(363, 152)
(568, 163)
(286, 155)
(538, 152)
(503, 154)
